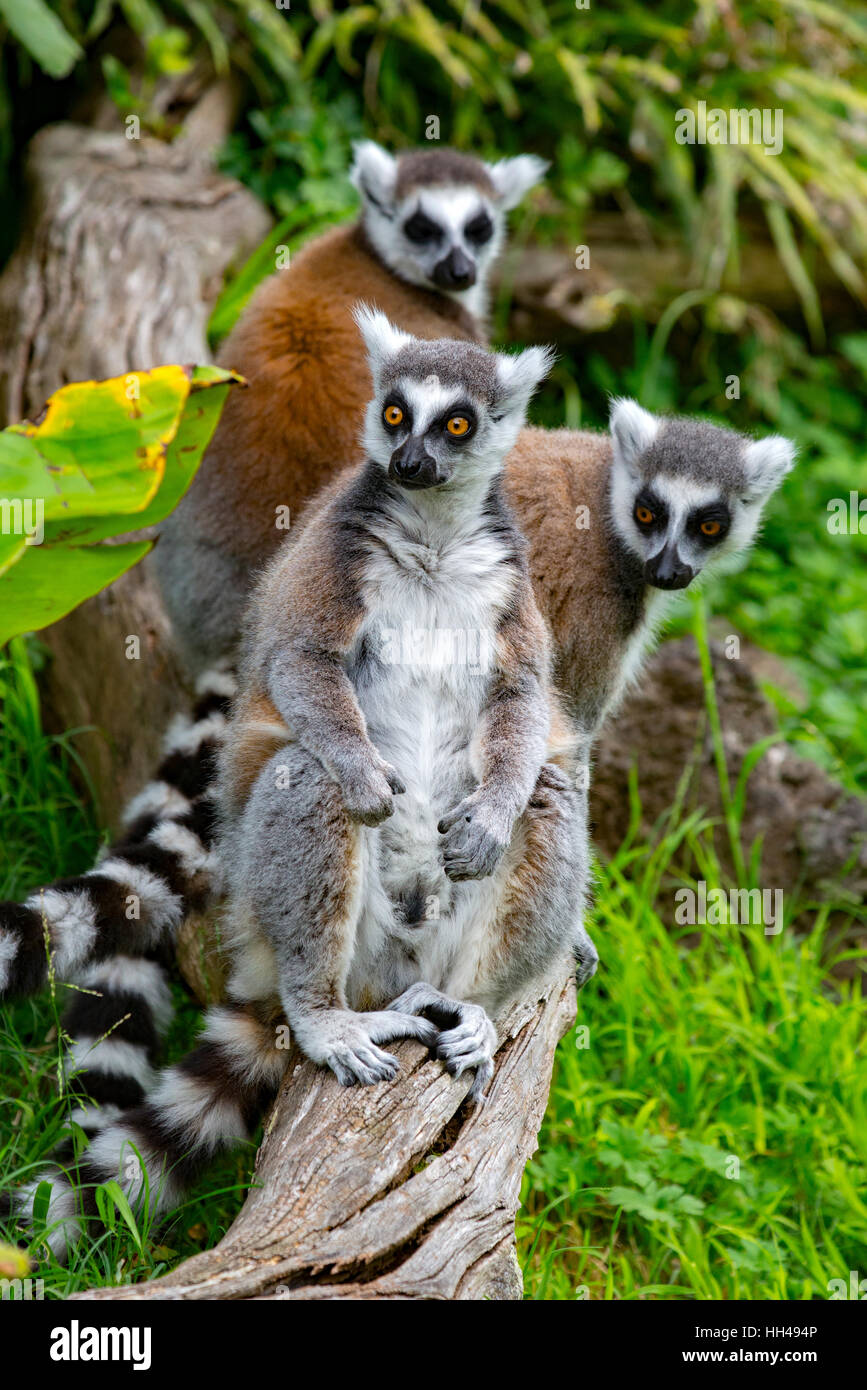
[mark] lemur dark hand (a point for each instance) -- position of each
(476, 834)
(369, 785)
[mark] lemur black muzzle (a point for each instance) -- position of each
(412, 466)
(455, 271)
(667, 571)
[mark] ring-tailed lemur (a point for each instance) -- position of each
(648, 488)
(404, 842)
(432, 223)
(618, 521)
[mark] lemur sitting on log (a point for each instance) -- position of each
(404, 843)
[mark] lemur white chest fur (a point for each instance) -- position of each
(435, 591)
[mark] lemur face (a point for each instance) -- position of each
(685, 494)
(446, 237)
(436, 217)
(444, 413)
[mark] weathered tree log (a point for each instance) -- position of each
(401, 1191)
(555, 300)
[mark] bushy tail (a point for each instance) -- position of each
(145, 884)
(117, 1019)
(206, 1103)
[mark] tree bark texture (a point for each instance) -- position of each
(401, 1191)
(125, 249)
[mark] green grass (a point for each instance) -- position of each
(707, 1136)
(48, 826)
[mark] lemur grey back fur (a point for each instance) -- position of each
(404, 841)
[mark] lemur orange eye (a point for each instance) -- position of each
(458, 425)
(393, 415)
(710, 528)
(643, 515)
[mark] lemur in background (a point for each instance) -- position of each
(618, 522)
(362, 782)
(431, 225)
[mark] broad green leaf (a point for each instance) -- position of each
(99, 447)
(12, 541)
(102, 460)
(183, 454)
(52, 580)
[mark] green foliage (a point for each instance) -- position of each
(104, 458)
(296, 157)
(42, 34)
(510, 76)
(41, 782)
(597, 90)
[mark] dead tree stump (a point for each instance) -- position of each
(126, 246)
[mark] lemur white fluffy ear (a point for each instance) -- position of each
(381, 338)
(633, 430)
(374, 172)
(766, 463)
(518, 377)
(513, 178)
